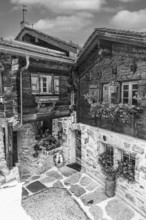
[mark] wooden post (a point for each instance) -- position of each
(10, 140)
(9, 144)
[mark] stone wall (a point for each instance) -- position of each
(6, 175)
(67, 145)
(93, 141)
(27, 162)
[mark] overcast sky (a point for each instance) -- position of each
(72, 19)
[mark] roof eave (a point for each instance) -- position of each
(88, 46)
(24, 52)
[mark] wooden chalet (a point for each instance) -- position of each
(38, 38)
(42, 79)
(35, 87)
(111, 110)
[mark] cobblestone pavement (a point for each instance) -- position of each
(86, 191)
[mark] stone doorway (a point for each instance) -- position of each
(75, 150)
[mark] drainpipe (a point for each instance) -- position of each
(21, 95)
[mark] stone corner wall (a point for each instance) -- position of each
(64, 126)
(29, 164)
(93, 141)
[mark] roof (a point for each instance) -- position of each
(24, 49)
(113, 35)
(49, 39)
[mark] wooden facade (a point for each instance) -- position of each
(35, 85)
(114, 60)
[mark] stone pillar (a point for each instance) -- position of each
(26, 142)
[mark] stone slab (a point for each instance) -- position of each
(96, 211)
(94, 197)
(92, 186)
(67, 171)
(85, 181)
(54, 174)
(73, 179)
(77, 190)
(58, 184)
(36, 187)
(48, 179)
(117, 210)
(34, 177)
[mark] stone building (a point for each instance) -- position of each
(106, 82)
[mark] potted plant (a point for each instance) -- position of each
(106, 163)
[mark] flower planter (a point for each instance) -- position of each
(58, 159)
(110, 186)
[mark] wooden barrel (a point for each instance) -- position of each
(110, 185)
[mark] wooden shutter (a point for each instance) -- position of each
(105, 93)
(72, 98)
(49, 84)
(56, 84)
(142, 92)
(35, 83)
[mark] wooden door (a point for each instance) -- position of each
(15, 149)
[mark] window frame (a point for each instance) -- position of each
(130, 90)
(106, 87)
(52, 84)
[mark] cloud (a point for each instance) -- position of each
(126, 1)
(63, 5)
(112, 9)
(130, 20)
(65, 23)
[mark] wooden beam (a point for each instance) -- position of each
(10, 141)
(40, 116)
(7, 144)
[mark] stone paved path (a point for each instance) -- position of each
(86, 191)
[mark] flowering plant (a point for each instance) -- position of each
(106, 163)
(125, 169)
(122, 112)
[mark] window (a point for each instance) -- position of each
(111, 93)
(94, 90)
(44, 84)
(129, 93)
(127, 166)
(129, 158)
(106, 159)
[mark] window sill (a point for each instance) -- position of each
(46, 99)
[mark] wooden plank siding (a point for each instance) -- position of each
(11, 86)
(122, 57)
